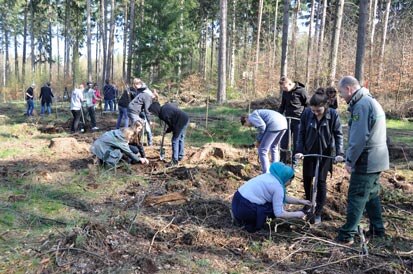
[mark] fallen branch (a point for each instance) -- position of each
(331, 263)
(157, 232)
(104, 260)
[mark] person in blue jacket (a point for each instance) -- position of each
(271, 127)
(264, 197)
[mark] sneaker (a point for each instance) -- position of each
(172, 163)
(346, 242)
(95, 128)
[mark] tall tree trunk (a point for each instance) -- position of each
(111, 41)
(24, 45)
(131, 39)
(50, 59)
(294, 27)
(181, 30)
(103, 31)
(383, 41)
(310, 46)
(257, 49)
(373, 13)
(32, 36)
(275, 36)
(88, 40)
(6, 53)
(221, 95)
(361, 40)
(233, 44)
(319, 64)
(16, 59)
(335, 42)
(66, 42)
(284, 43)
(125, 38)
(58, 48)
(211, 65)
(75, 61)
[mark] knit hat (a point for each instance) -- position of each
(155, 108)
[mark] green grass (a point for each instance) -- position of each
(400, 131)
(399, 124)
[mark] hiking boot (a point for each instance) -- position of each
(172, 163)
(346, 242)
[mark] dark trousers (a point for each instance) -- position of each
(252, 216)
(123, 114)
(92, 115)
(363, 193)
(321, 193)
(294, 129)
(76, 119)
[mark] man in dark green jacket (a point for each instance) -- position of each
(366, 157)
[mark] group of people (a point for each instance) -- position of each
(136, 106)
(316, 130)
(45, 97)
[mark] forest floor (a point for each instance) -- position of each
(61, 213)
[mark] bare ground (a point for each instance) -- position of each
(177, 220)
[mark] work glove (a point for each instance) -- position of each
(299, 156)
(339, 159)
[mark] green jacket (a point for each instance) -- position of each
(367, 149)
(110, 147)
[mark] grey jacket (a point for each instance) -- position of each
(266, 120)
(367, 149)
(110, 147)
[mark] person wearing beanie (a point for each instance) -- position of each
(177, 122)
(264, 197)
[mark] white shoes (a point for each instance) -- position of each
(95, 128)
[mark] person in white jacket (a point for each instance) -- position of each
(76, 106)
(264, 197)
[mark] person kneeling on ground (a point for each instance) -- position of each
(112, 145)
(264, 197)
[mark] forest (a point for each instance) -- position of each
(63, 212)
(234, 48)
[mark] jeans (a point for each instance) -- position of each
(92, 115)
(147, 127)
(76, 119)
(46, 105)
(178, 143)
(30, 107)
(294, 129)
(270, 141)
(108, 104)
(123, 113)
(363, 193)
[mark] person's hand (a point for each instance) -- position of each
(339, 159)
(348, 168)
(299, 156)
(306, 202)
(144, 161)
(300, 214)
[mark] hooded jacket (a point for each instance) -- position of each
(141, 102)
(110, 147)
(266, 120)
(175, 118)
(294, 101)
(367, 149)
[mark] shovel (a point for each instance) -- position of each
(161, 149)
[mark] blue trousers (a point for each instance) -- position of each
(252, 216)
(46, 105)
(178, 144)
(108, 104)
(123, 113)
(30, 107)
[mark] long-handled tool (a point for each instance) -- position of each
(162, 149)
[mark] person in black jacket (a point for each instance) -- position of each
(30, 100)
(109, 95)
(177, 122)
(320, 133)
(293, 102)
(128, 94)
(46, 96)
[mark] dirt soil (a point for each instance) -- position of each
(179, 221)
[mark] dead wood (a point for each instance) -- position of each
(170, 197)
